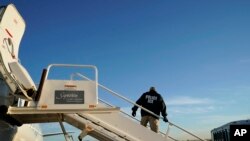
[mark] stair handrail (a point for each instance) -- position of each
(108, 104)
(76, 66)
(131, 102)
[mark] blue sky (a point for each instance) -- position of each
(195, 52)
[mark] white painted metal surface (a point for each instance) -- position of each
(28, 132)
(22, 76)
(69, 94)
(124, 127)
(12, 27)
(50, 87)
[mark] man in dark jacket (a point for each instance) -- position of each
(154, 102)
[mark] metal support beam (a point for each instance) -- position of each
(66, 135)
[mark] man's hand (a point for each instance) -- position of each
(134, 113)
(165, 119)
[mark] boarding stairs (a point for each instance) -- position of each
(94, 116)
(73, 100)
(76, 102)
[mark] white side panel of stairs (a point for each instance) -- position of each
(123, 126)
(98, 132)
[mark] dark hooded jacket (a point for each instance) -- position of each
(153, 102)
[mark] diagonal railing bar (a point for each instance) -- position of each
(132, 102)
(108, 104)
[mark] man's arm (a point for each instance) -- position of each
(138, 102)
(164, 110)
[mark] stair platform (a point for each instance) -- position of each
(35, 110)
